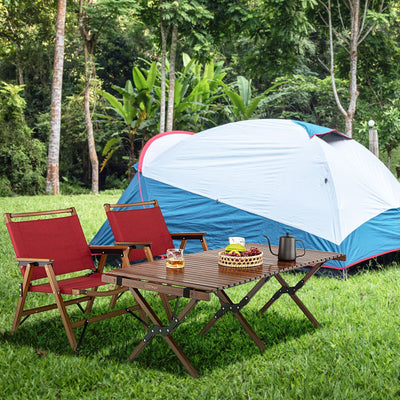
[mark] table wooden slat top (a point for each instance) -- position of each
(202, 272)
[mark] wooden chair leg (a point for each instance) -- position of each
(125, 263)
(22, 298)
(100, 268)
(61, 307)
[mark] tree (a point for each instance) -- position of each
(53, 158)
(351, 31)
(89, 39)
(134, 108)
(27, 49)
(173, 17)
(272, 39)
(93, 16)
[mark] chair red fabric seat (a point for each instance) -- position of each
(144, 222)
(66, 286)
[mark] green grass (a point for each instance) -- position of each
(353, 355)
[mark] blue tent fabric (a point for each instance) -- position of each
(329, 205)
(312, 129)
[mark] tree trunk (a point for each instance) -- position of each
(164, 33)
(89, 42)
(354, 36)
(89, 127)
(171, 92)
(131, 171)
(20, 71)
(53, 182)
(389, 157)
(332, 61)
(354, 41)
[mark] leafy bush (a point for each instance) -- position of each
(22, 168)
(5, 187)
(33, 183)
(22, 158)
(115, 181)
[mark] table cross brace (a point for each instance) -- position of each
(161, 330)
(225, 306)
(291, 290)
(288, 289)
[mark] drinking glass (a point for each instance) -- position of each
(175, 258)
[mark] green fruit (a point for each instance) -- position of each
(238, 248)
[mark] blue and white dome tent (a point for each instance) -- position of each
(269, 177)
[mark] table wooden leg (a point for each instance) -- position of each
(243, 322)
(167, 307)
(228, 305)
(209, 325)
(165, 331)
(181, 356)
(285, 288)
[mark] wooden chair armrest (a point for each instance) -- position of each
(36, 261)
(185, 236)
(188, 235)
(107, 249)
(146, 246)
(134, 245)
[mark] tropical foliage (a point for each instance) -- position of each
(22, 158)
(135, 107)
(213, 61)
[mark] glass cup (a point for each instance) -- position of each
(175, 258)
(237, 240)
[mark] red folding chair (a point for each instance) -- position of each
(51, 245)
(143, 223)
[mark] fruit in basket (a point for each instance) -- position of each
(252, 252)
(237, 250)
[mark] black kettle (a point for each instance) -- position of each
(287, 248)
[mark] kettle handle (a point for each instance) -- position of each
(304, 248)
(269, 244)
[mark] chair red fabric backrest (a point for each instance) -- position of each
(141, 225)
(59, 238)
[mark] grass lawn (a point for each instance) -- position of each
(353, 355)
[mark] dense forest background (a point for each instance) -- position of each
(234, 60)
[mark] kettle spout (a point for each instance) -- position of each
(269, 244)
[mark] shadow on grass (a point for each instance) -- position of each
(114, 339)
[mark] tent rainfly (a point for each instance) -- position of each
(270, 177)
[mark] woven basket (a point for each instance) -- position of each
(226, 260)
